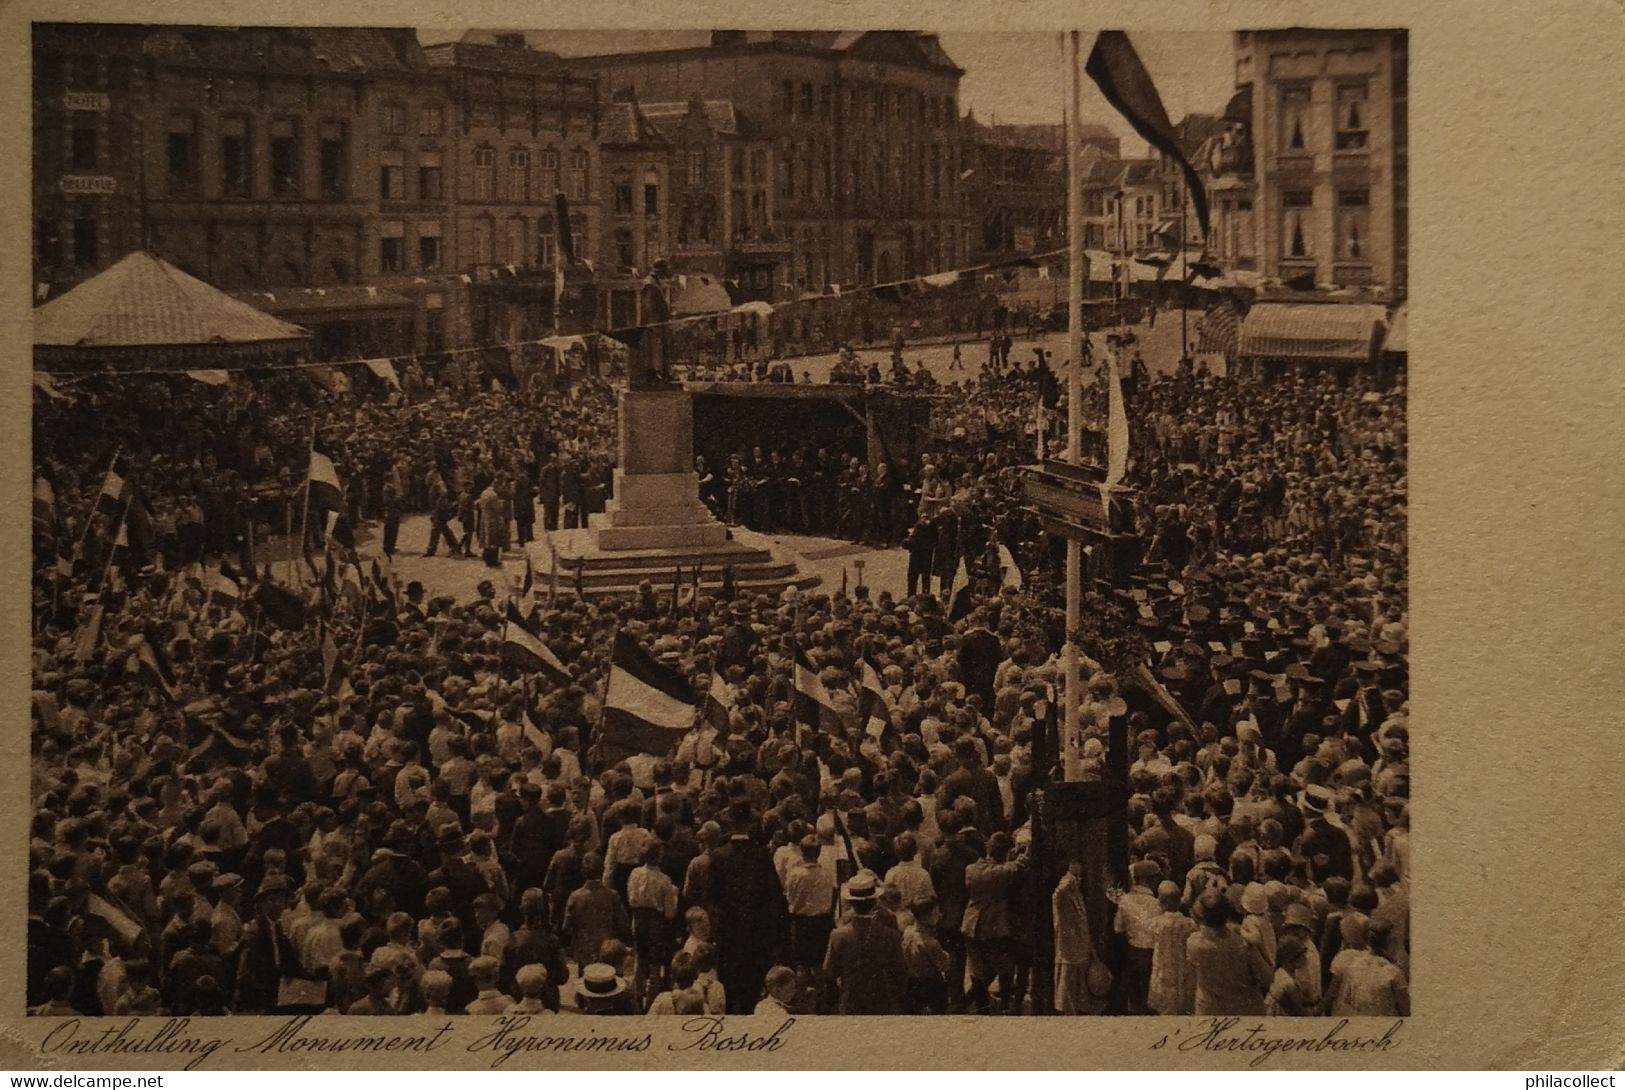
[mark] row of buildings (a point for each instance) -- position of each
(399, 197)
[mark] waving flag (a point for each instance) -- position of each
(648, 707)
(1009, 571)
(112, 492)
(524, 650)
(873, 699)
(1116, 430)
(719, 704)
(326, 493)
(959, 599)
(1118, 72)
(813, 704)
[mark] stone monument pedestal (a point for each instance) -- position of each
(656, 523)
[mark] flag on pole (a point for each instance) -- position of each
(148, 663)
(112, 492)
(1116, 429)
(524, 650)
(326, 492)
(530, 578)
(1118, 72)
(813, 704)
(90, 634)
(1009, 572)
(282, 607)
(873, 699)
(719, 704)
(330, 655)
(959, 598)
(648, 707)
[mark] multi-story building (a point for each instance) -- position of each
(721, 196)
(303, 166)
(1013, 183)
(1329, 139)
(865, 132)
(523, 129)
(90, 90)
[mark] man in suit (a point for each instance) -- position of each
(550, 485)
(959, 848)
(989, 883)
(751, 912)
(266, 954)
(865, 956)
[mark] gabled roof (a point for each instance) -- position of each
(720, 114)
(142, 301)
(623, 124)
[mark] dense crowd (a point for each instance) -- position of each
(358, 807)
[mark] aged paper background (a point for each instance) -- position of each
(1517, 521)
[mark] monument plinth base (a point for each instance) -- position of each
(656, 523)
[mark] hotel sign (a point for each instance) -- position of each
(85, 100)
(94, 184)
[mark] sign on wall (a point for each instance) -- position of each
(89, 184)
(85, 100)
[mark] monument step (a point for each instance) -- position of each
(775, 585)
(710, 578)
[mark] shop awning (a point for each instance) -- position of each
(1398, 332)
(1313, 331)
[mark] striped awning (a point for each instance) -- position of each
(1218, 330)
(1314, 331)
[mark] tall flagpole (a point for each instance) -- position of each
(304, 507)
(1071, 752)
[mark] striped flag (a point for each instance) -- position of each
(223, 589)
(873, 699)
(326, 492)
(813, 704)
(112, 492)
(648, 707)
(1116, 430)
(523, 650)
(719, 704)
(1009, 572)
(959, 597)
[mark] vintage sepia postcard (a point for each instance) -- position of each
(572, 539)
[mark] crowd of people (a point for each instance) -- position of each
(360, 807)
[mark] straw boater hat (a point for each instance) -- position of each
(600, 981)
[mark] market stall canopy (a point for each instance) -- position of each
(757, 307)
(1398, 331)
(700, 293)
(1316, 331)
(145, 312)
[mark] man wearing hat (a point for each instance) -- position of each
(865, 958)
(226, 920)
(1137, 911)
(266, 955)
(1323, 833)
(603, 991)
(989, 884)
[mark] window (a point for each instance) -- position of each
(824, 99)
(181, 153)
(392, 119)
(391, 237)
(428, 246)
(696, 166)
(513, 251)
(429, 177)
(1353, 224)
(84, 144)
(624, 255)
(1295, 240)
(86, 67)
(391, 176)
(547, 182)
(84, 241)
(651, 199)
(578, 175)
(482, 241)
(546, 241)
(736, 165)
(806, 100)
(789, 98)
(758, 166)
(333, 155)
(623, 199)
(877, 104)
(484, 172)
(431, 120)
(1351, 115)
(518, 174)
(284, 158)
(1295, 118)
(48, 242)
(787, 172)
